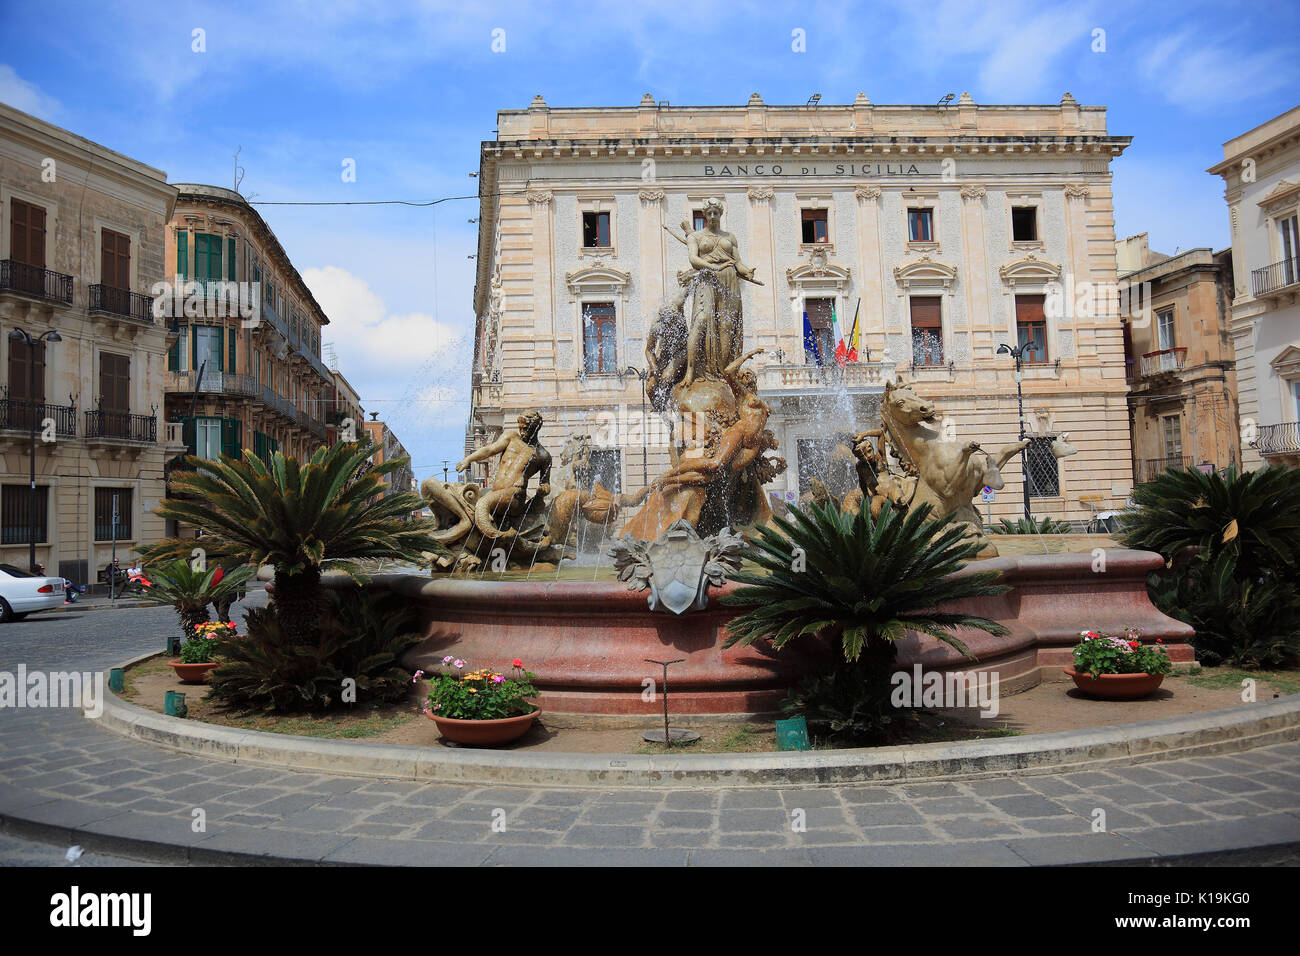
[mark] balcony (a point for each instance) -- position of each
(214, 382)
(121, 426)
(39, 283)
(1149, 468)
(121, 302)
(1163, 362)
(18, 413)
(1280, 439)
(823, 379)
(1280, 277)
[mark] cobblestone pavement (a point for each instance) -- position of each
(92, 787)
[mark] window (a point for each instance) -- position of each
(15, 516)
(207, 256)
(26, 383)
(27, 246)
(207, 442)
(595, 230)
(1290, 244)
(1044, 475)
(115, 260)
(1165, 329)
(927, 330)
(110, 502)
(815, 226)
(819, 349)
(114, 382)
(1171, 428)
(207, 348)
(1024, 224)
(920, 225)
(697, 219)
(1031, 327)
(599, 354)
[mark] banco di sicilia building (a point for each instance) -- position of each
(948, 230)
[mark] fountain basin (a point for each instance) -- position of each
(588, 642)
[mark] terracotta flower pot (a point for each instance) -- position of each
(1116, 686)
(192, 673)
(484, 733)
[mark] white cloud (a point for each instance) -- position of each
(1215, 73)
(25, 96)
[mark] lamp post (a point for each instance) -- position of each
(645, 425)
(1017, 352)
(16, 336)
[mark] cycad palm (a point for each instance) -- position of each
(1253, 516)
(190, 591)
(298, 518)
(868, 579)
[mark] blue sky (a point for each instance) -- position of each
(409, 90)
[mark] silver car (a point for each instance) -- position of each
(22, 592)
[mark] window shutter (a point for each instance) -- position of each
(183, 254)
(174, 352)
(194, 347)
(230, 257)
(230, 362)
(230, 437)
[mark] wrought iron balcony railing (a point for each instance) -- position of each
(1163, 361)
(1151, 467)
(20, 413)
(1275, 277)
(121, 425)
(130, 305)
(31, 280)
(1280, 439)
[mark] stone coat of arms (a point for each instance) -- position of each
(678, 566)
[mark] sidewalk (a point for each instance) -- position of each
(102, 602)
(68, 780)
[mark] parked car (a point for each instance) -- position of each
(22, 592)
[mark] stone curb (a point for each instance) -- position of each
(1214, 732)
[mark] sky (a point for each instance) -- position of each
(408, 90)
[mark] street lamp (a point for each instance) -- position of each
(1017, 352)
(16, 336)
(645, 425)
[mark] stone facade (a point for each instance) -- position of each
(1017, 202)
(72, 213)
(387, 447)
(1261, 170)
(1180, 359)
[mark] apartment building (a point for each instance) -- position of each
(82, 237)
(388, 447)
(1261, 172)
(1181, 365)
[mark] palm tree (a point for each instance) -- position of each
(190, 590)
(1254, 516)
(332, 511)
(868, 579)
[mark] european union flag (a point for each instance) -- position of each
(810, 342)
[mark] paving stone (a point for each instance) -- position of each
(251, 795)
(502, 796)
(630, 814)
(995, 788)
(1020, 808)
(1187, 770)
(1189, 793)
(753, 841)
(692, 799)
(1227, 784)
(753, 821)
(685, 820)
(243, 841)
(320, 820)
(251, 819)
(605, 836)
(1276, 799)
(826, 836)
(402, 816)
(543, 818)
(585, 857)
(1053, 786)
(376, 851)
(562, 798)
(1128, 794)
(1068, 824)
(1170, 814)
(807, 798)
(899, 834)
(345, 800)
(288, 804)
(921, 791)
(1270, 829)
(451, 830)
(978, 828)
(683, 839)
(747, 858)
(1087, 848)
(751, 799)
(1091, 778)
(155, 805)
(885, 814)
(952, 806)
(1231, 808)
(981, 853)
(377, 829)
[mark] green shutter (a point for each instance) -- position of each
(183, 254)
(230, 255)
(194, 348)
(230, 437)
(230, 362)
(174, 352)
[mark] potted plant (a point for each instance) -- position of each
(481, 708)
(198, 653)
(1118, 667)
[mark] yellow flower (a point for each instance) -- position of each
(473, 690)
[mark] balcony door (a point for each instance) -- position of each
(115, 394)
(207, 348)
(27, 246)
(1289, 235)
(26, 384)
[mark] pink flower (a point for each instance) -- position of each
(497, 678)
(427, 711)
(458, 663)
(447, 659)
(418, 675)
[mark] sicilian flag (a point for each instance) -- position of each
(810, 343)
(841, 353)
(850, 351)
